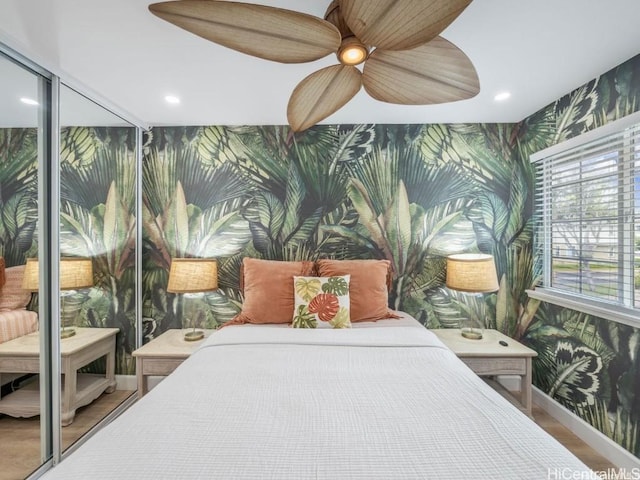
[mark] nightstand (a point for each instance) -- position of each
(22, 355)
(487, 358)
(163, 355)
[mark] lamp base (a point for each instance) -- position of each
(67, 332)
(471, 333)
(193, 335)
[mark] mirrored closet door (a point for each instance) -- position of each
(69, 265)
(98, 190)
(26, 439)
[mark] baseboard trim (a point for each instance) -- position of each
(597, 440)
(126, 382)
(130, 382)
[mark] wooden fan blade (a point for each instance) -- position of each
(266, 32)
(437, 72)
(399, 24)
(321, 94)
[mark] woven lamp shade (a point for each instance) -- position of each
(472, 272)
(76, 273)
(30, 279)
(191, 275)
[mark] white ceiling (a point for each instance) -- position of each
(75, 109)
(115, 49)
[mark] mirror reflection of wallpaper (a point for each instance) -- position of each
(97, 214)
(98, 173)
(411, 194)
(18, 194)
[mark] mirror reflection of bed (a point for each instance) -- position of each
(15, 321)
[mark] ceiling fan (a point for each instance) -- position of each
(405, 60)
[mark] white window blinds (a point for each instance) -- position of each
(587, 212)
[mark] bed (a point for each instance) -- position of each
(381, 400)
(15, 319)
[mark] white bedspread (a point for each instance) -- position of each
(278, 403)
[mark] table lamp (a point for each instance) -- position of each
(75, 273)
(472, 273)
(189, 276)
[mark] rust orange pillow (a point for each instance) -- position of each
(268, 290)
(368, 286)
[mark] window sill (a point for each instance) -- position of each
(615, 313)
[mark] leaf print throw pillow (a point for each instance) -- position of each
(321, 302)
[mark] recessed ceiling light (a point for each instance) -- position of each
(172, 99)
(28, 101)
(502, 96)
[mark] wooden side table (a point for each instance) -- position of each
(22, 355)
(488, 358)
(163, 355)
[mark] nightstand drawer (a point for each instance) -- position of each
(496, 365)
(160, 366)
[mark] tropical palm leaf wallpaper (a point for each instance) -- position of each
(412, 194)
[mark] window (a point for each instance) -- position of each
(588, 218)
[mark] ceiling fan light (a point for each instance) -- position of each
(352, 51)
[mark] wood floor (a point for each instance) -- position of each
(20, 438)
